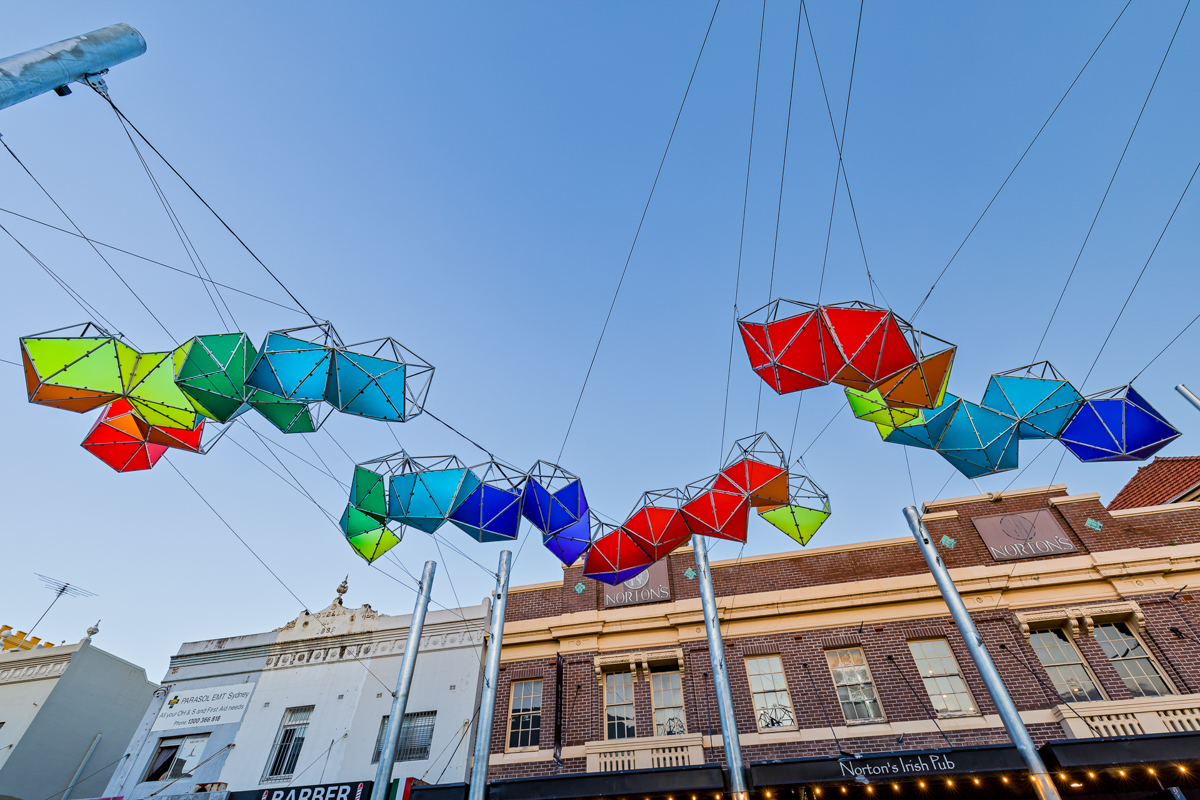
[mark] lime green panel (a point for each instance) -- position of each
(374, 543)
(83, 363)
(800, 523)
(50, 356)
(870, 406)
(127, 357)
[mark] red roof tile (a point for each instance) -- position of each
(1162, 480)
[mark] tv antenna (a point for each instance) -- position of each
(59, 588)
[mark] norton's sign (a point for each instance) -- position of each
(1027, 535)
(889, 766)
(651, 586)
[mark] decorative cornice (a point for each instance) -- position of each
(1074, 498)
(375, 643)
(50, 666)
(1167, 508)
(1087, 615)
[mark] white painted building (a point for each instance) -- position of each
(303, 706)
(66, 714)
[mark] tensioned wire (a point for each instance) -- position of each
(1012, 171)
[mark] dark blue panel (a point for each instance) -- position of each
(536, 505)
(573, 499)
(1086, 428)
(560, 517)
(1143, 430)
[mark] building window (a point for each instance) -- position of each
(943, 680)
(618, 704)
(176, 758)
(1131, 660)
(288, 742)
(772, 704)
(667, 692)
(525, 714)
(1064, 665)
(416, 734)
(852, 677)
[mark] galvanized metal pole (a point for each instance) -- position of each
(56, 65)
(716, 650)
(491, 674)
(387, 751)
(1043, 784)
(1187, 393)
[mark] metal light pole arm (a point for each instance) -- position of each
(1042, 782)
(1188, 395)
(47, 68)
(716, 649)
(387, 750)
(487, 701)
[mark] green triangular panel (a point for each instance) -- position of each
(369, 491)
(797, 522)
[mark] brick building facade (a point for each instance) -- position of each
(861, 614)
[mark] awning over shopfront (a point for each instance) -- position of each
(1159, 748)
(643, 782)
(879, 767)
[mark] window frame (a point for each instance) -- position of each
(284, 726)
(177, 742)
(512, 696)
(407, 722)
(753, 694)
(1069, 632)
(632, 720)
(882, 718)
(958, 672)
(1131, 628)
(654, 709)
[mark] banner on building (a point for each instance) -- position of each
(355, 790)
(212, 705)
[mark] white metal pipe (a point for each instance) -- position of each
(1188, 395)
(46, 68)
(1043, 784)
(487, 701)
(387, 752)
(716, 650)
(86, 758)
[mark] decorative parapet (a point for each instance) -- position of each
(1140, 716)
(651, 752)
(35, 669)
(385, 642)
(1074, 616)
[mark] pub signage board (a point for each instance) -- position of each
(651, 586)
(354, 790)
(1026, 535)
(888, 766)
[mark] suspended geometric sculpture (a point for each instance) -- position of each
(287, 415)
(1037, 395)
(805, 512)
(78, 370)
(294, 363)
(1117, 425)
(871, 343)
(923, 385)
(365, 519)
(657, 524)
(124, 440)
(722, 513)
(871, 407)
(150, 387)
(380, 379)
(757, 468)
(614, 556)
(790, 346)
(976, 440)
(213, 373)
(492, 511)
(424, 491)
(555, 503)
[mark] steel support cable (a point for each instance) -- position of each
(189, 249)
(787, 133)
(1133, 288)
(234, 532)
(841, 146)
(1024, 153)
(149, 260)
(737, 283)
(87, 307)
(872, 284)
(107, 263)
(121, 115)
(638, 232)
(1108, 188)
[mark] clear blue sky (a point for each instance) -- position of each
(468, 178)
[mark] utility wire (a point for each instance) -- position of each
(737, 283)
(245, 246)
(838, 173)
(1108, 188)
(1024, 153)
(89, 241)
(638, 232)
(149, 260)
(1133, 288)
